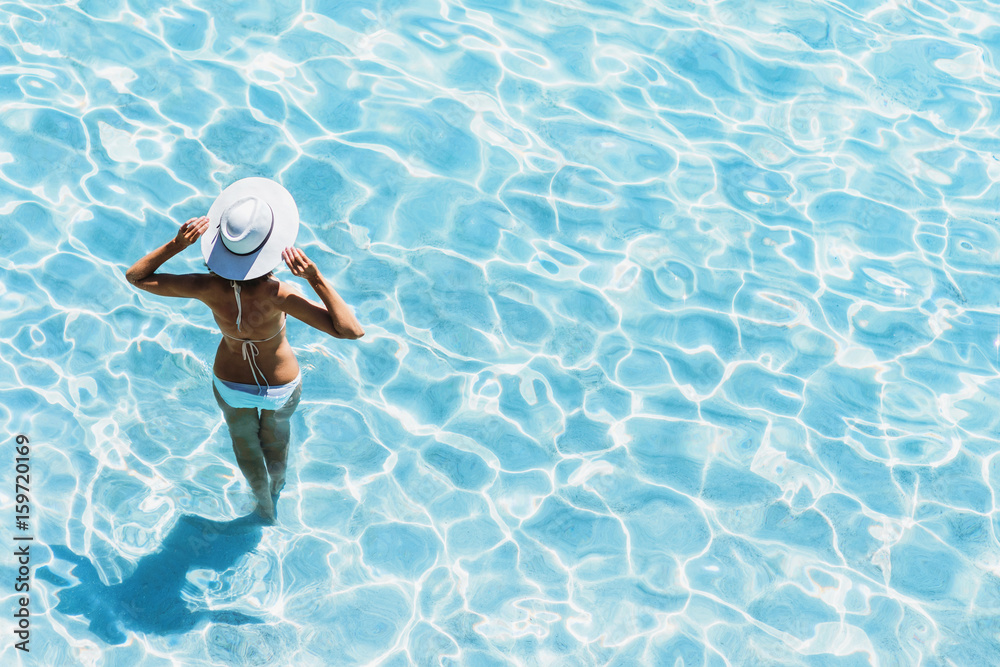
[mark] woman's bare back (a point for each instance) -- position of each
(260, 321)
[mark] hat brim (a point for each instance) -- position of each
(286, 228)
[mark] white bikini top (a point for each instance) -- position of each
(250, 350)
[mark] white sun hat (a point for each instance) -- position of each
(250, 223)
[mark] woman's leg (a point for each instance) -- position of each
(274, 434)
(244, 428)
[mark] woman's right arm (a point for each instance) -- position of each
(336, 319)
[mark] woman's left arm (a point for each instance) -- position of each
(143, 274)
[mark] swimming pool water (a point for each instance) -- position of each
(682, 338)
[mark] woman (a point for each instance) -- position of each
(248, 231)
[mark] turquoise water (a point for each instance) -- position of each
(682, 338)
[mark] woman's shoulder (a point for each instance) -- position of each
(275, 292)
(283, 290)
(213, 284)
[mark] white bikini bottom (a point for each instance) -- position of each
(239, 395)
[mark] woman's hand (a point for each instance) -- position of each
(190, 231)
(300, 265)
(147, 266)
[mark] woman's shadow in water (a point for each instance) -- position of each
(150, 600)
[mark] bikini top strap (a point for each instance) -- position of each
(261, 340)
(239, 317)
(280, 329)
(239, 303)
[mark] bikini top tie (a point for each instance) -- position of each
(250, 350)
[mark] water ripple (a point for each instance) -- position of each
(682, 333)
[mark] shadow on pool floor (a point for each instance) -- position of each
(150, 601)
